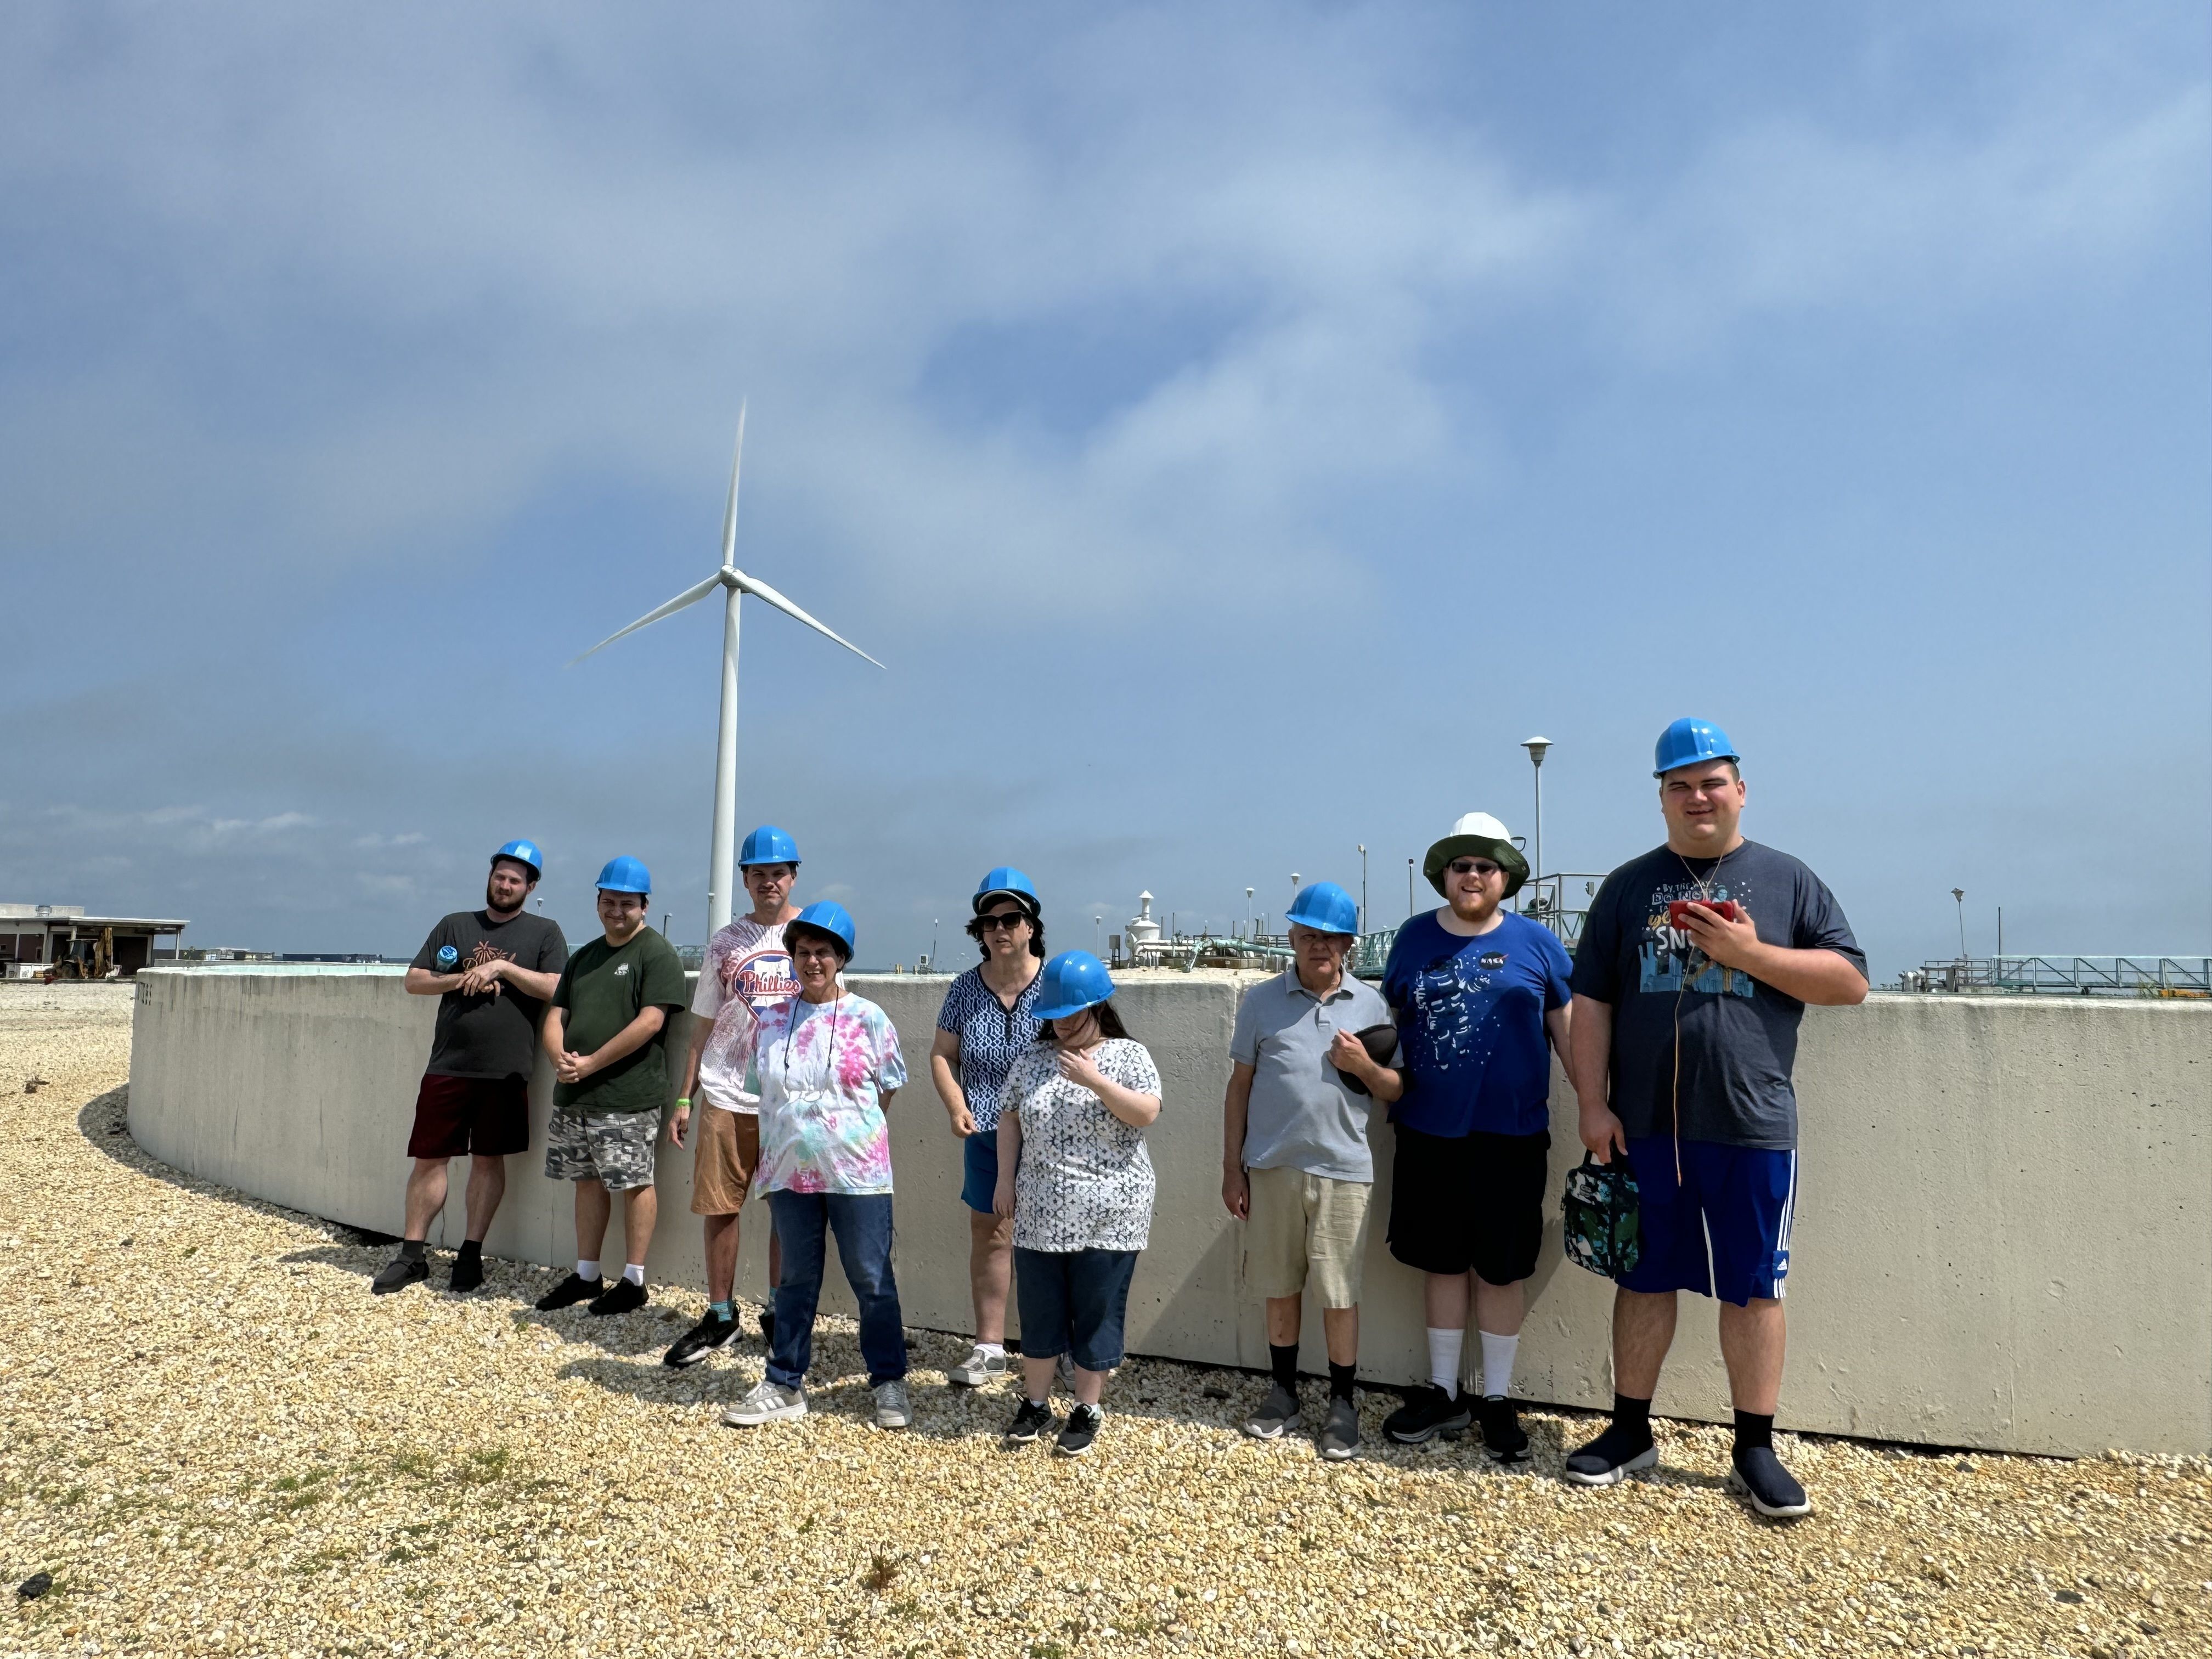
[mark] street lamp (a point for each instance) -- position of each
(1409, 887)
(1094, 922)
(1363, 887)
(1536, 746)
(1247, 913)
(1958, 898)
(932, 945)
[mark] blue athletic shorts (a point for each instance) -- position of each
(979, 1180)
(1724, 1232)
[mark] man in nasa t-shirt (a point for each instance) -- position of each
(746, 970)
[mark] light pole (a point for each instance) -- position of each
(1536, 746)
(932, 945)
(1094, 922)
(1958, 898)
(1294, 897)
(1363, 887)
(1409, 887)
(1247, 913)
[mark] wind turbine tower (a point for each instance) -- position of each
(722, 867)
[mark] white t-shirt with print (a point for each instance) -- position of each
(1085, 1181)
(747, 971)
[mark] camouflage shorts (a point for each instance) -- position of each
(614, 1147)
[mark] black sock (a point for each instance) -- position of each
(1755, 1431)
(1630, 1412)
(1340, 1380)
(472, 1248)
(411, 1249)
(1283, 1362)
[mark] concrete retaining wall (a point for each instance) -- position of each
(2004, 1236)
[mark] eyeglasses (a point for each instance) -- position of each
(1008, 920)
(1472, 867)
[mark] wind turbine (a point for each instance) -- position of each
(721, 878)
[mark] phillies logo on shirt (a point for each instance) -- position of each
(764, 976)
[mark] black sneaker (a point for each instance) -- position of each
(1030, 1421)
(1758, 1474)
(1612, 1457)
(1502, 1433)
(467, 1275)
(398, 1273)
(624, 1296)
(568, 1292)
(703, 1338)
(1427, 1413)
(1079, 1431)
(1278, 1412)
(1338, 1439)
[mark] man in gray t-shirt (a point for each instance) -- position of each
(1295, 1163)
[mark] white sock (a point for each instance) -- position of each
(587, 1270)
(635, 1272)
(1443, 1359)
(1497, 1353)
(998, 1349)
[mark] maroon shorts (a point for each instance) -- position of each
(487, 1116)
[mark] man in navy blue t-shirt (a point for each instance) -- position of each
(1693, 969)
(1476, 990)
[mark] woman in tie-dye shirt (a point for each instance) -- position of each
(829, 1064)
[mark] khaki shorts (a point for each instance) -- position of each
(1303, 1224)
(724, 1153)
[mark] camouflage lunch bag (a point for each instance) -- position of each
(1599, 1216)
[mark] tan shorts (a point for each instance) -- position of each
(1303, 1224)
(724, 1153)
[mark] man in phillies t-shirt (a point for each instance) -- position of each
(491, 971)
(747, 970)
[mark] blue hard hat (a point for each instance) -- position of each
(624, 875)
(523, 851)
(1005, 879)
(1071, 981)
(1326, 907)
(1687, 742)
(768, 845)
(825, 916)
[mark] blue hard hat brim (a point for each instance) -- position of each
(1696, 760)
(1322, 927)
(610, 887)
(1066, 1010)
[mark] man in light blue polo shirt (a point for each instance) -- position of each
(1296, 1166)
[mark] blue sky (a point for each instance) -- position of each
(1236, 426)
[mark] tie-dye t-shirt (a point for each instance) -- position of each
(824, 1068)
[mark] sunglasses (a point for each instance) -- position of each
(1008, 920)
(1472, 867)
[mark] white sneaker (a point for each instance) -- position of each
(980, 1367)
(768, 1402)
(891, 1409)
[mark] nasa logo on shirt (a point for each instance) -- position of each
(1493, 959)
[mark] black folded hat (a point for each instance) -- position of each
(1378, 1041)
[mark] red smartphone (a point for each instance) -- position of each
(1678, 910)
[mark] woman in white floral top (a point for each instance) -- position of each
(1075, 1175)
(829, 1064)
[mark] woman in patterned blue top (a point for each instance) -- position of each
(988, 1019)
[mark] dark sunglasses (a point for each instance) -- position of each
(1472, 866)
(1006, 919)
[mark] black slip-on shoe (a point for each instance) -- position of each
(1756, 1474)
(1612, 1457)
(703, 1338)
(398, 1273)
(624, 1296)
(467, 1276)
(1278, 1412)
(1428, 1413)
(568, 1292)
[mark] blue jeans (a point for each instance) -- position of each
(1073, 1302)
(863, 1226)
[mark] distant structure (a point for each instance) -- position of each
(36, 938)
(2065, 976)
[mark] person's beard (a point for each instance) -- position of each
(492, 904)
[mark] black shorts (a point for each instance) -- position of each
(487, 1116)
(1469, 1202)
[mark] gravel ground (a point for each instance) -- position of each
(216, 1441)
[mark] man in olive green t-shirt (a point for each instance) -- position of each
(606, 1029)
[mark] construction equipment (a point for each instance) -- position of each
(85, 958)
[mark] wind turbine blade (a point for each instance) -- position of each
(688, 596)
(730, 513)
(760, 589)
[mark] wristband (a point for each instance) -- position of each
(683, 1100)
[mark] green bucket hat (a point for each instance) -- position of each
(1477, 835)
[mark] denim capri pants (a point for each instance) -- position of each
(1074, 1302)
(979, 1170)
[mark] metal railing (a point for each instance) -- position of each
(1561, 901)
(2125, 977)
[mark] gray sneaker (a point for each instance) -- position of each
(892, 1411)
(1340, 1437)
(980, 1367)
(768, 1402)
(1278, 1412)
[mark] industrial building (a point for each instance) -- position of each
(34, 937)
